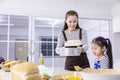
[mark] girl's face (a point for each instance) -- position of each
(71, 22)
(97, 50)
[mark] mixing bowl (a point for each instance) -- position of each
(70, 52)
(102, 74)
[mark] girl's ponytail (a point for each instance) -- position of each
(109, 53)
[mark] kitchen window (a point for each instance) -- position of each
(46, 46)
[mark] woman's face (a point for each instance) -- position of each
(71, 22)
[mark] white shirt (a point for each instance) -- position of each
(102, 63)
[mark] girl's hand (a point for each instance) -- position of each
(87, 69)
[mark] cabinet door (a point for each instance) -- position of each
(21, 51)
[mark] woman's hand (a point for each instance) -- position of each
(81, 49)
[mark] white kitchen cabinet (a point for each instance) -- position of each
(116, 49)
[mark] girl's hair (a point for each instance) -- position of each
(70, 13)
(101, 41)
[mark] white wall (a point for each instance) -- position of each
(115, 10)
(116, 49)
(116, 33)
(117, 45)
(116, 17)
(53, 8)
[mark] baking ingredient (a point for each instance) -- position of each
(41, 60)
(46, 76)
(73, 78)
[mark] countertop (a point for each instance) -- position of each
(5, 75)
(50, 70)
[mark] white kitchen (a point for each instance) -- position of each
(29, 29)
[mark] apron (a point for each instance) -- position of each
(72, 61)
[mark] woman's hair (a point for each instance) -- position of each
(101, 41)
(70, 13)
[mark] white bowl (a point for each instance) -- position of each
(102, 74)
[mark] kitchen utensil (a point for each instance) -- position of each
(101, 74)
(70, 51)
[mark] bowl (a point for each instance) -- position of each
(70, 52)
(101, 74)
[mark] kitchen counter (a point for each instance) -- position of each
(50, 70)
(5, 75)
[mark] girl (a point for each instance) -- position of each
(101, 48)
(72, 31)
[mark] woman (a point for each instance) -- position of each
(72, 31)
